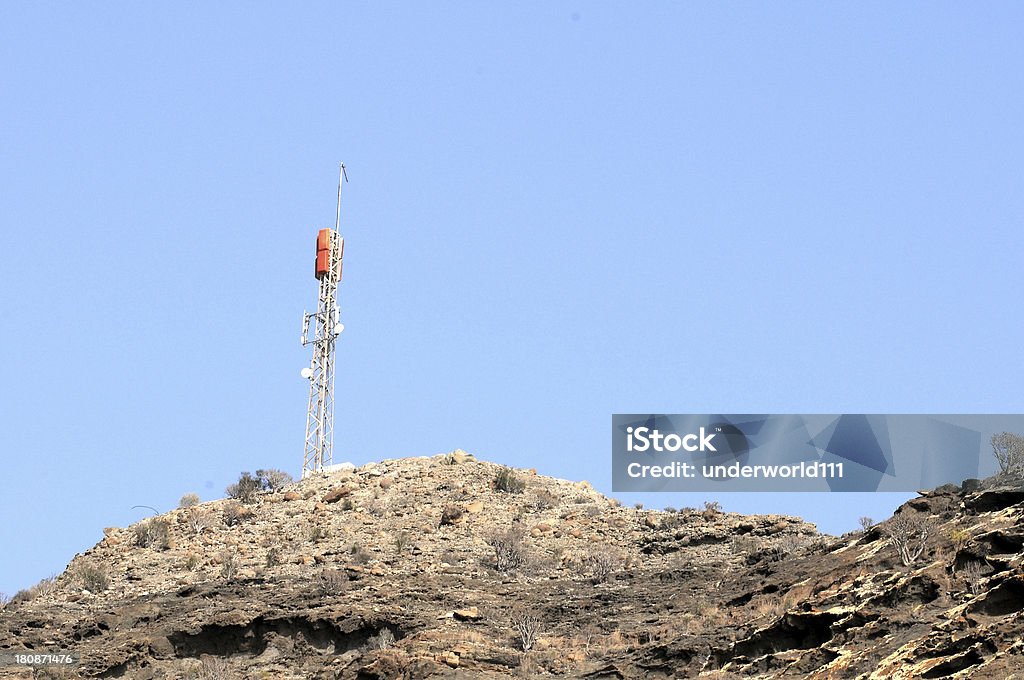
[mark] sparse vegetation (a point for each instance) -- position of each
(212, 668)
(971, 573)
(959, 539)
(909, 533)
(189, 500)
(601, 564)
(235, 513)
(318, 533)
(44, 587)
(4, 599)
(191, 561)
(507, 481)
(228, 565)
(451, 514)
(401, 541)
(273, 480)
(866, 523)
(638, 506)
(509, 554)
(92, 577)
(382, 640)
(154, 532)
(198, 520)
(711, 508)
(669, 508)
(1008, 448)
(273, 557)
(245, 489)
(359, 554)
(544, 500)
(526, 626)
(332, 582)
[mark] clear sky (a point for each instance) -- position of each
(557, 211)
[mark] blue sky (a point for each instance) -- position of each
(556, 212)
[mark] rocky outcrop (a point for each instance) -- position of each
(426, 568)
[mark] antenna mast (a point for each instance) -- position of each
(321, 330)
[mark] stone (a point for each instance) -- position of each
(336, 494)
(467, 614)
(458, 457)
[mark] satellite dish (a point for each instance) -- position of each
(306, 373)
(339, 328)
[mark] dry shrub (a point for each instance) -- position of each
(359, 554)
(153, 533)
(45, 587)
(92, 577)
(451, 514)
(235, 513)
(332, 581)
(525, 624)
(245, 489)
(273, 480)
(382, 640)
(228, 565)
(509, 553)
(401, 541)
(198, 520)
(909, 533)
(544, 500)
(507, 481)
(972, 575)
(212, 668)
(189, 500)
(601, 564)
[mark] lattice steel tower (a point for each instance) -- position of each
(321, 329)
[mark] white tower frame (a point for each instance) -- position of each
(321, 329)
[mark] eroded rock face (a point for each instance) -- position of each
(354, 575)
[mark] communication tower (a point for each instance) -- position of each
(321, 330)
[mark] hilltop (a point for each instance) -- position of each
(450, 567)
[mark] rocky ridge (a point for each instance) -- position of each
(426, 568)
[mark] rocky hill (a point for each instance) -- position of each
(449, 567)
